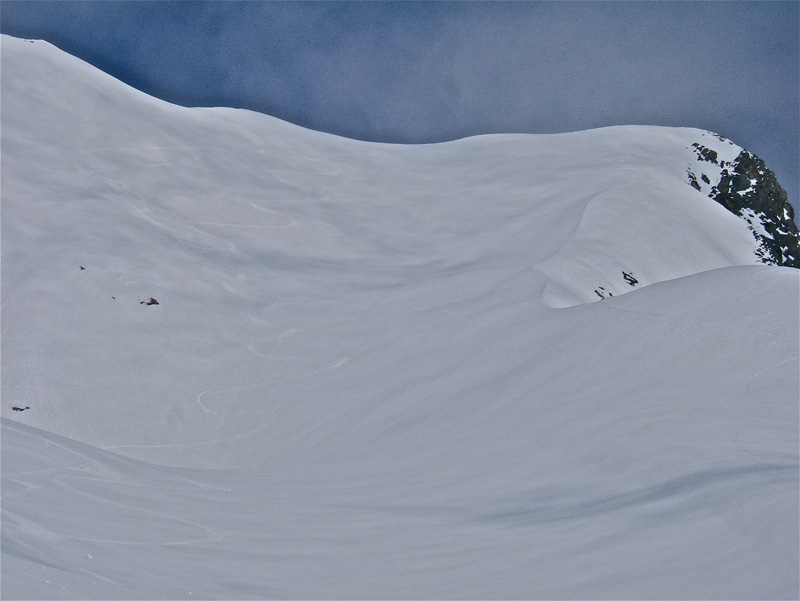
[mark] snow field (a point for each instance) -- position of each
(379, 371)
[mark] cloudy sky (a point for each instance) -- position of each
(424, 72)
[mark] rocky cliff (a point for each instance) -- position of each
(741, 183)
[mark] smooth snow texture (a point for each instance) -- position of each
(390, 354)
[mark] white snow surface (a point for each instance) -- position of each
(379, 371)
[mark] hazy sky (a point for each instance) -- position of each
(424, 72)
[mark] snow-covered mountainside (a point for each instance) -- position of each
(241, 359)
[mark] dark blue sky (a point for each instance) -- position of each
(424, 72)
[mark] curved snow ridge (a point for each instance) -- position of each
(653, 218)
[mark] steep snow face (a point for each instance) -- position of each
(391, 354)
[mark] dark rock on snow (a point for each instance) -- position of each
(751, 191)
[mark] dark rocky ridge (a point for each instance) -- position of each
(748, 189)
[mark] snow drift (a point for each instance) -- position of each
(250, 360)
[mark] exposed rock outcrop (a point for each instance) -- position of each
(748, 189)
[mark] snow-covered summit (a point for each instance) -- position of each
(585, 208)
(396, 358)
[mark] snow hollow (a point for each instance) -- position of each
(241, 359)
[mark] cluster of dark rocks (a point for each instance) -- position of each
(751, 191)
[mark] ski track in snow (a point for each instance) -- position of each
(94, 502)
(137, 205)
(768, 369)
(158, 519)
(227, 396)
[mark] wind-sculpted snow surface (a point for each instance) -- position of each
(257, 361)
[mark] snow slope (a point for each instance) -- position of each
(379, 370)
